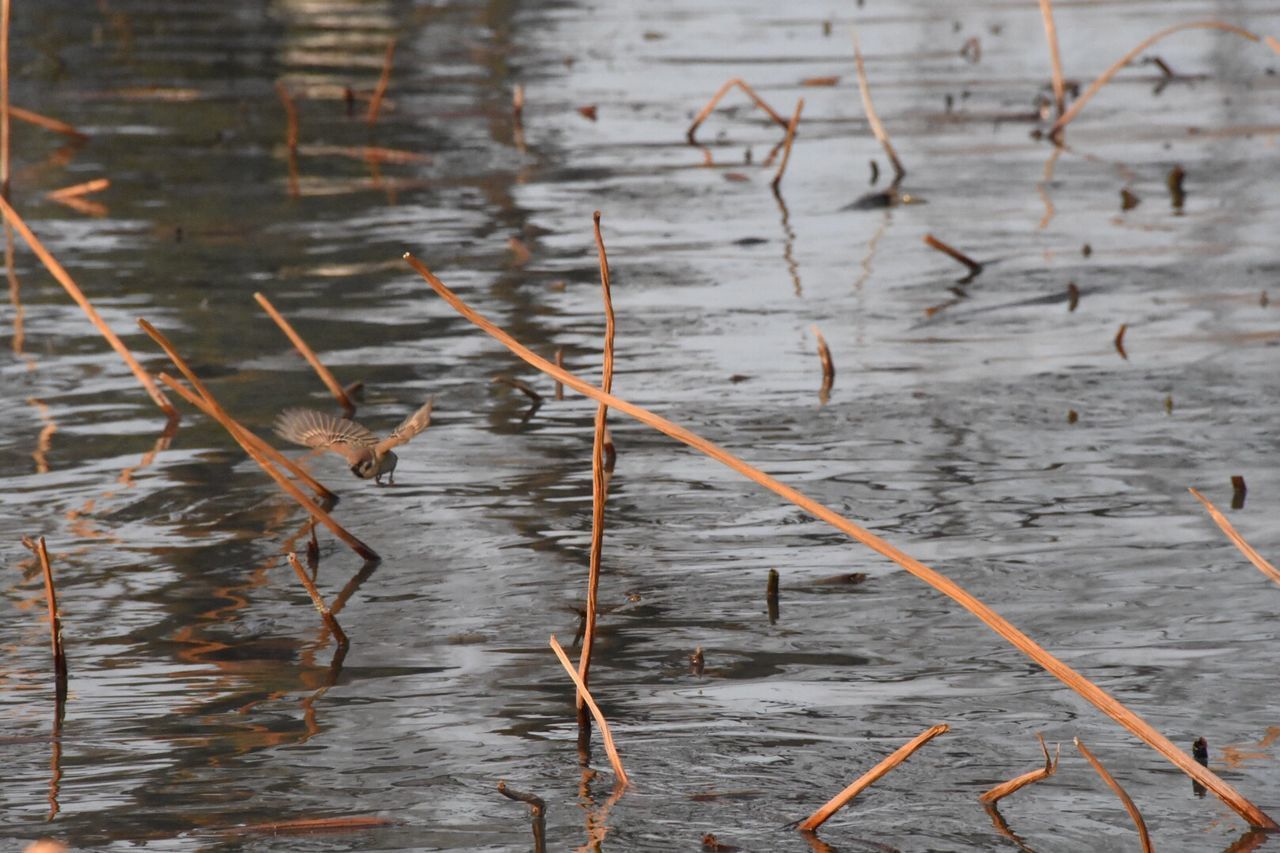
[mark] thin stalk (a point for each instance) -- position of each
(47, 123)
(1055, 59)
(5, 165)
(1004, 789)
(1125, 799)
(786, 145)
(719, 95)
(339, 635)
(584, 694)
(1105, 77)
(58, 272)
(1095, 695)
(865, 781)
(599, 482)
(1245, 548)
(309, 354)
(384, 80)
(55, 619)
(882, 135)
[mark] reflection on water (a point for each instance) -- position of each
(205, 693)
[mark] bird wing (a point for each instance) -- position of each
(316, 429)
(411, 426)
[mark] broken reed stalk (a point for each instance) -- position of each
(560, 364)
(520, 385)
(309, 354)
(955, 254)
(585, 695)
(1119, 341)
(55, 620)
(5, 166)
(339, 635)
(1245, 548)
(290, 136)
(384, 80)
(1055, 58)
(1105, 77)
(599, 483)
(290, 116)
(882, 135)
(1089, 691)
(56, 270)
(1128, 803)
(310, 824)
(77, 190)
(716, 98)
(537, 811)
(1004, 789)
(786, 145)
(254, 447)
(842, 799)
(828, 366)
(258, 444)
(47, 123)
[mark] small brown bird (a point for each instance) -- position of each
(369, 457)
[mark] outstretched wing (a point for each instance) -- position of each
(412, 425)
(316, 429)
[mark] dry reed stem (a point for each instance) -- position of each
(720, 93)
(1129, 805)
(840, 800)
(1105, 77)
(595, 712)
(955, 254)
(309, 354)
(254, 447)
(1245, 548)
(1055, 58)
(5, 165)
(1089, 691)
(1004, 789)
(15, 291)
(828, 366)
(83, 206)
(375, 103)
(76, 190)
(259, 445)
(47, 123)
(599, 484)
(339, 635)
(882, 135)
(1119, 341)
(560, 364)
(55, 620)
(290, 116)
(56, 270)
(517, 117)
(786, 145)
(520, 385)
(312, 824)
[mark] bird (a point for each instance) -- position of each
(370, 457)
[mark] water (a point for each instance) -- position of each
(204, 690)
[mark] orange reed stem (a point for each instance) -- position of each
(865, 781)
(1095, 695)
(585, 695)
(309, 354)
(73, 289)
(599, 484)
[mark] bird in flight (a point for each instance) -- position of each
(369, 456)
